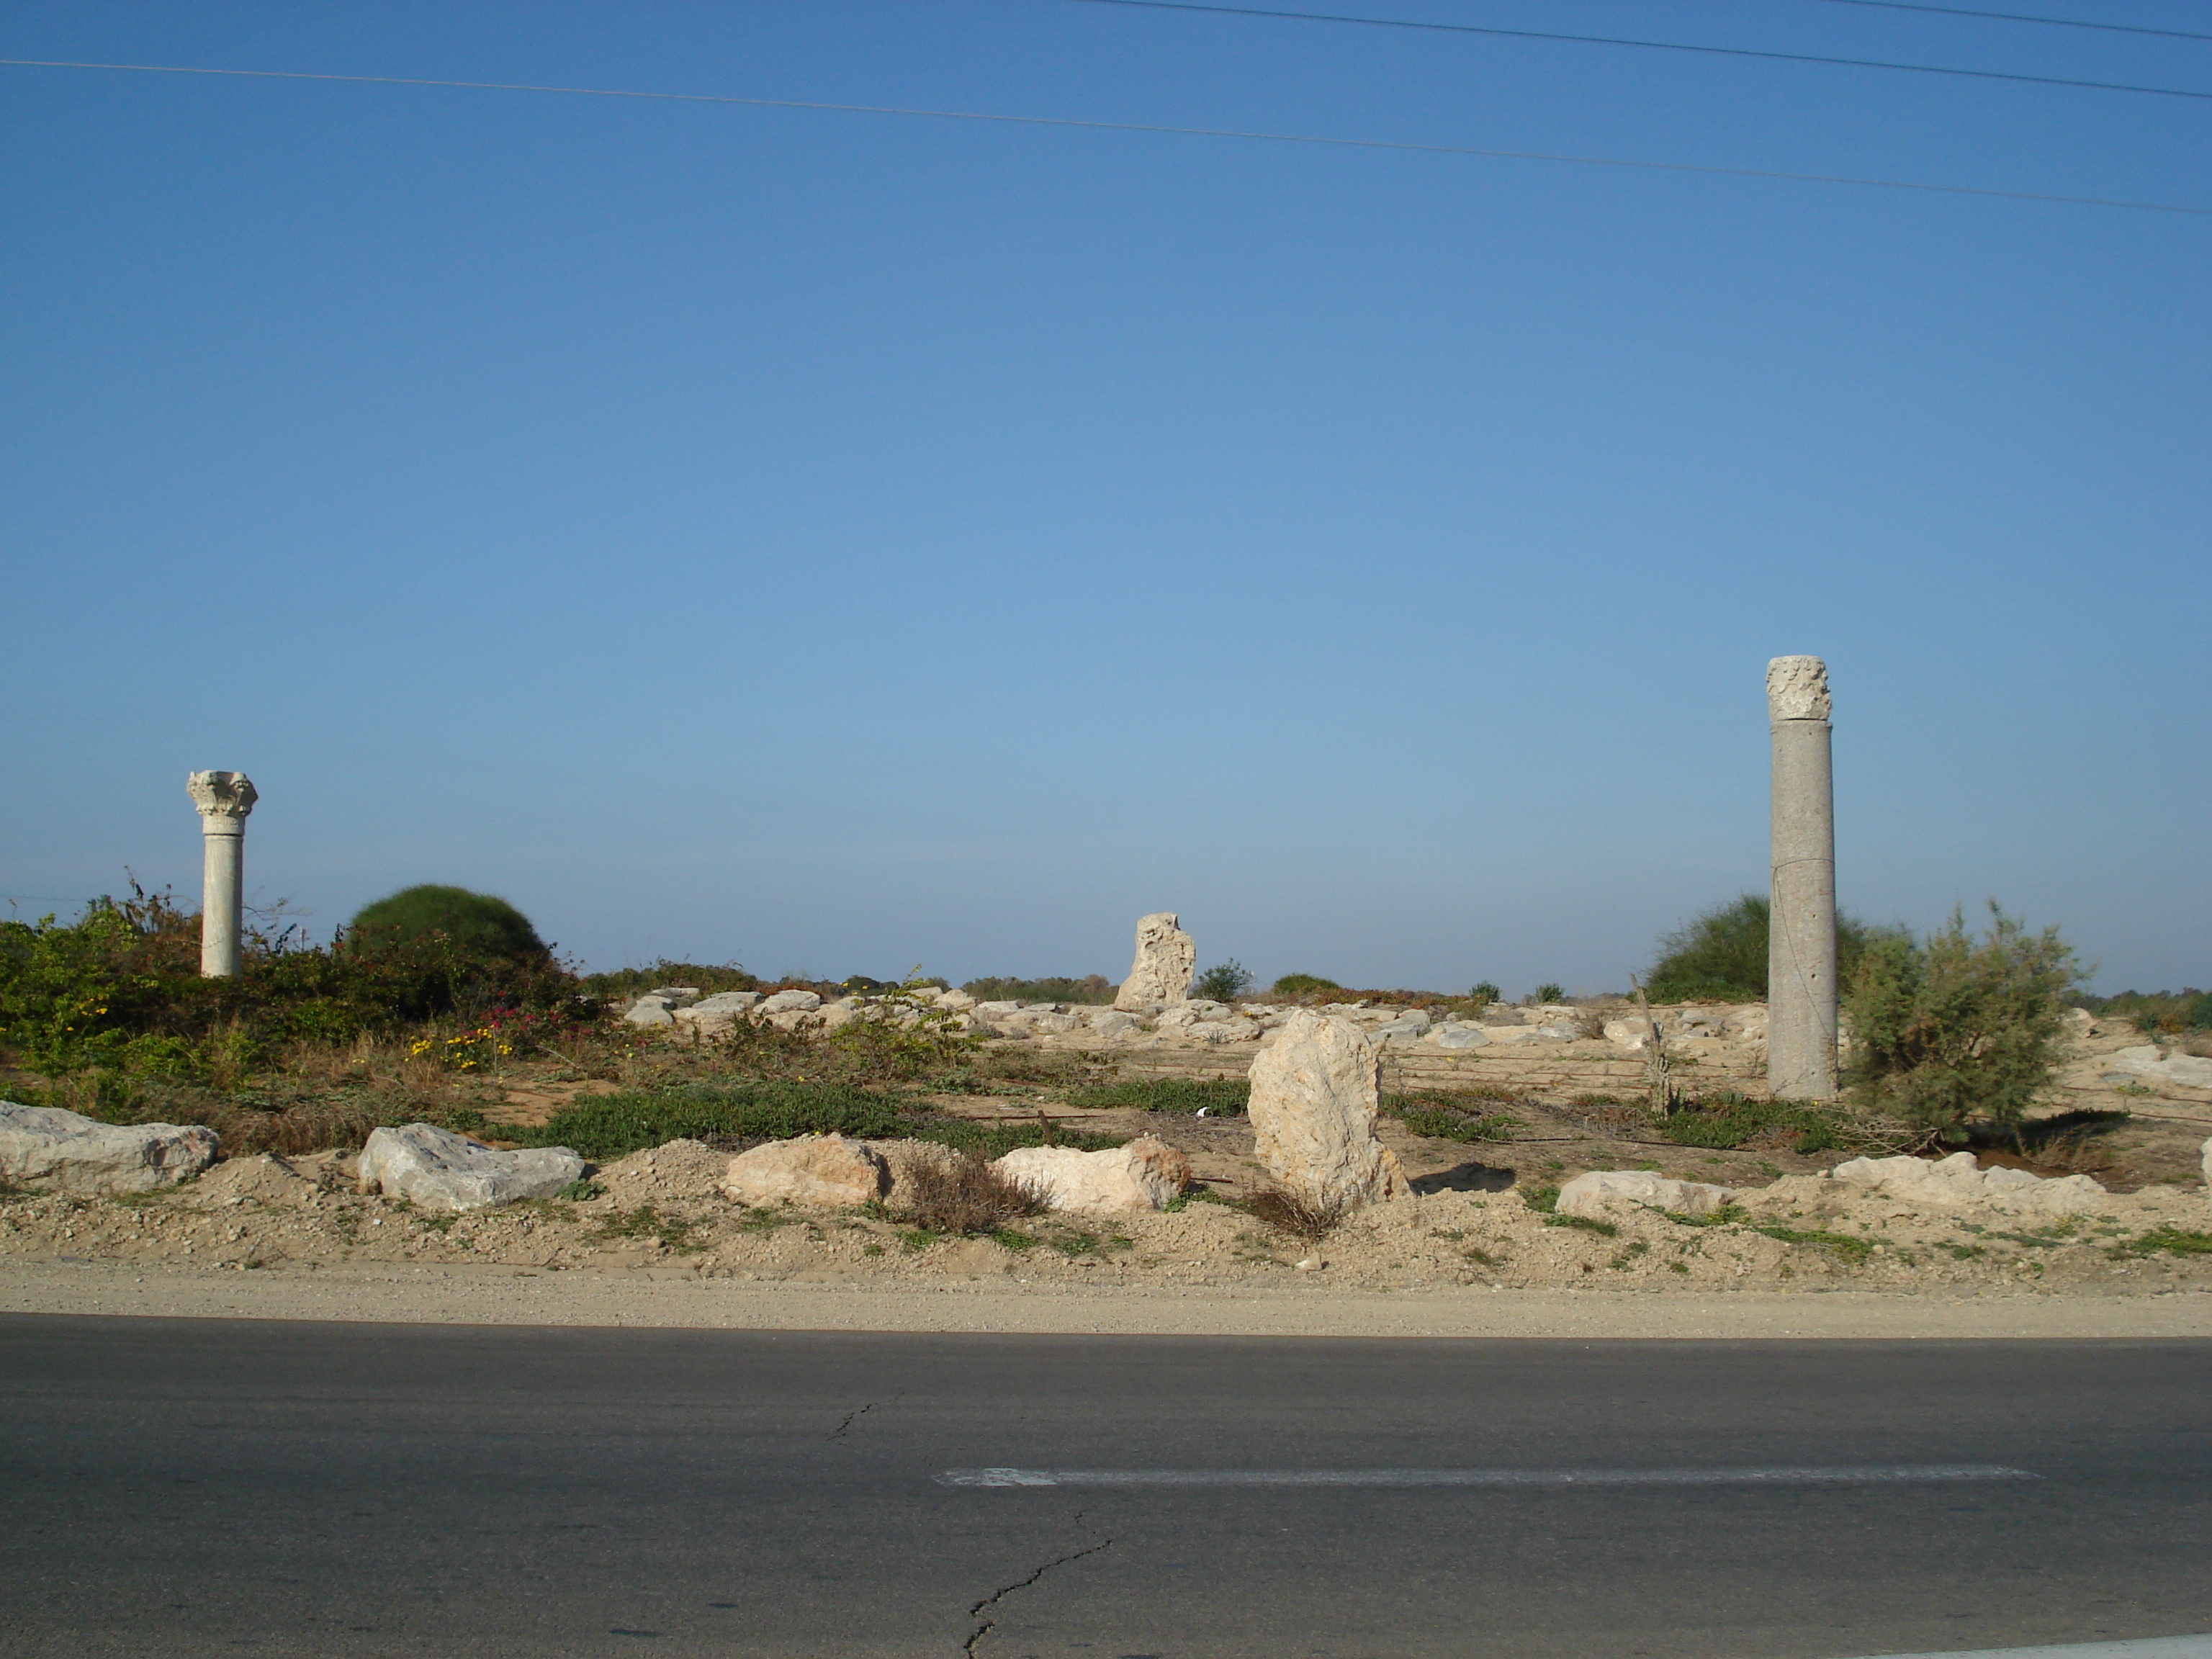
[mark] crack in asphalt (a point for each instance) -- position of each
(986, 1626)
(858, 1412)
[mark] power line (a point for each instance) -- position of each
(2023, 18)
(1131, 126)
(1647, 45)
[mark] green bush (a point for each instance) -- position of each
(1091, 988)
(624, 983)
(1299, 985)
(120, 987)
(477, 924)
(1485, 993)
(1225, 983)
(1961, 1029)
(1720, 955)
(601, 1128)
(2157, 1012)
(1549, 992)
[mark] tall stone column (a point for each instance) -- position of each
(224, 798)
(1801, 945)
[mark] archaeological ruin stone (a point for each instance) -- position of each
(436, 1170)
(1166, 958)
(1598, 1191)
(1146, 1174)
(1316, 1093)
(819, 1170)
(1800, 951)
(223, 798)
(82, 1155)
(792, 1002)
(1958, 1182)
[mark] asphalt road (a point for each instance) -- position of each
(201, 1486)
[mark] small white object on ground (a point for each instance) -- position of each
(438, 1169)
(83, 1155)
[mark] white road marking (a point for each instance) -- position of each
(1871, 1476)
(2152, 1647)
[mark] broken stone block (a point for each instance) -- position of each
(1601, 1191)
(1166, 958)
(1145, 1175)
(818, 1170)
(437, 1169)
(83, 1155)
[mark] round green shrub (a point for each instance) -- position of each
(1298, 985)
(476, 923)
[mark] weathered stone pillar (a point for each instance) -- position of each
(224, 798)
(1801, 946)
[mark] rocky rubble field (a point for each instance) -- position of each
(663, 1214)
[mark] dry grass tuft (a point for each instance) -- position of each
(1297, 1214)
(963, 1193)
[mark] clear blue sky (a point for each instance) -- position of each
(834, 542)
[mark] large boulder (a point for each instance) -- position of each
(792, 1002)
(437, 1169)
(827, 1170)
(2190, 1071)
(1316, 1091)
(82, 1155)
(1603, 1191)
(1166, 958)
(650, 1010)
(1144, 1175)
(1957, 1182)
(1459, 1036)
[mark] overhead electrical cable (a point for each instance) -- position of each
(1649, 45)
(2023, 18)
(1126, 126)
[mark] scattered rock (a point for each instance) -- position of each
(822, 1170)
(1315, 1094)
(440, 1170)
(1166, 958)
(81, 1155)
(1603, 1190)
(717, 1013)
(1633, 1035)
(1459, 1036)
(1956, 1182)
(650, 1011)
(1144, 1175)
(1109, 1022)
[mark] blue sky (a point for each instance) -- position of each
(837, 542)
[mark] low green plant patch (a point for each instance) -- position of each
(1727, 1216)
(1010, 1238)
(647, 1222)
(1447, 1117)
(607, 1127)
(997, 1139)
(1603, 1228)
(1219, 1097)
(2173, 1241)
(1841, 1245)
(1540, 1198)
(1722, 1123)
(581, 1192)
(1191, 1195)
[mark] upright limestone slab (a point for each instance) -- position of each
(1801, 947)
(1166, 958)
(1315, 1090)
(223, 798)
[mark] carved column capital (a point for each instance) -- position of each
(223, 798)
(1797, 689)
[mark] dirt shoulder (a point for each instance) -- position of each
(507, 1296)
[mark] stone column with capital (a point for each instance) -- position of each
(1800, 941)
(224, 798)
